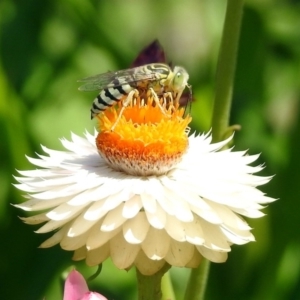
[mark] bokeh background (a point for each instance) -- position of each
(45, 46)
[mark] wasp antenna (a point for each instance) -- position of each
(190, 97)
(190, 90)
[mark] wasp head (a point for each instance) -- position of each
(180, 79)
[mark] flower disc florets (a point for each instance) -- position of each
(148, 139)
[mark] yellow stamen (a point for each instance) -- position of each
(146, 140)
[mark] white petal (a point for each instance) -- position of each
(79, 254)
(37, 219)
(64, 212)
(206, 212)
(214, 256)
(113, 219)
(167, 204)
(55, 238)
(182, 209)
(132, 207)
(73, 243)
(157, 219)
(42, 184)
(91, 137)
(114, 200)
(248, 212)
(98, 238)
(179, 253)
(198, 205)
(139, 185)
(214, 238)
(177, 206)
(236, 236)
(157, 243)
(149, 203)
(87, 196)
(103, 190)
(81, 226)
(38, 162)
(122, 253)
(228, 216)
(37, 174)
(194, 232)
(97, 256)
(135, 230)
(35, 204)
(51, 226)
(96, 211)
(195, 260)
(175, 229)
(148, 266)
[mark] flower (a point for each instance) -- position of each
(77, 289)
(152, 196)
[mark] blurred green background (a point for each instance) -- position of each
(45, 46)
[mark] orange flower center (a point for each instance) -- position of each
(147, 138)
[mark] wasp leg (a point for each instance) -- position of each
(124, 105)
(167, 102)
(168, 94)
(155, 98)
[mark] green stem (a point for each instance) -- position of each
(221, 112)
(149, 287)
(167, 287)
(226, 68)
(197, 283)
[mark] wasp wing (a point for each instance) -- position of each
(119, 78)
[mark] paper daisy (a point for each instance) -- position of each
(153, 196)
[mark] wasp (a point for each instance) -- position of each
(158, 78)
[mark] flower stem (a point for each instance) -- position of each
(149, 287)
(195, 289)
(221, 112)
(226, 69)
(167, 287)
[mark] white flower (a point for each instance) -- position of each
(191, 211)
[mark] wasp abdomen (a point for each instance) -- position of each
(108, 97)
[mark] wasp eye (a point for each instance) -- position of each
(179, 81)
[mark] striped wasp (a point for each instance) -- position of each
(157, 78)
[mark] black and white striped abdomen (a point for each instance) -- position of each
(109, 96)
